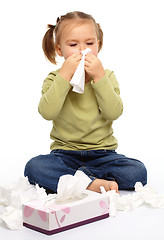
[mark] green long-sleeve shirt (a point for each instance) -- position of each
(81, 121)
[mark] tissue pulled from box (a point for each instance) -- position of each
(70, 186)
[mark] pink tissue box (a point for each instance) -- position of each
(49, 217)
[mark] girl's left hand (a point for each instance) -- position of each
(94, 67)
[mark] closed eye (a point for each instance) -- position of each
(73, 45)
(90, 43)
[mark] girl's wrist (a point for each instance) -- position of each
(97, 78)
(65, 75)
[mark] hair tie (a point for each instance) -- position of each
(51, 26)
(58, 19)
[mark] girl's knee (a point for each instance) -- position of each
(141, 175)
(30, 168)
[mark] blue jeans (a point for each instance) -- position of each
(46, 170)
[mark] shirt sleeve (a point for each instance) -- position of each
(54, 91)
(108, 96)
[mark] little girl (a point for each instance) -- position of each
(82, 123)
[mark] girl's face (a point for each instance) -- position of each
(77, 36)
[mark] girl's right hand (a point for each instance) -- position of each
(69, 66)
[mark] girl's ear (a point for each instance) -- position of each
(58, 50)
(98, 42)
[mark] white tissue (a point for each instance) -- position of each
(78, 79)
(70, 187)
(11, 199)
(142, 195)
(12, 218)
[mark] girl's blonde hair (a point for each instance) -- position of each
(49, 43)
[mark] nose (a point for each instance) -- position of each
(82, 47)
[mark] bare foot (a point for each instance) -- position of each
(108, 185)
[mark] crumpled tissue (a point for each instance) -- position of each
(142, 195)
(78, 79)
(70, 187)
(11, 199)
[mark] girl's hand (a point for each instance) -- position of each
(69, 66)
(94, 67)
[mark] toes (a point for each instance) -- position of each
(114, 186)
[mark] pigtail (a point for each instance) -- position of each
(48, 44)
(100, 36)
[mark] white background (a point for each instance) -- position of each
(133, 49)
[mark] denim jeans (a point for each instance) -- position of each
(46, 170)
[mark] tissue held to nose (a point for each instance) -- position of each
(78, 79)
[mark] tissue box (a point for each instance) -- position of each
(49, 217)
